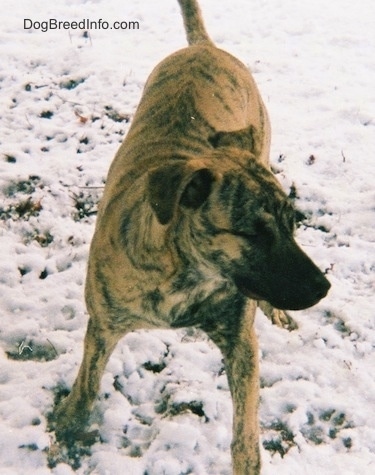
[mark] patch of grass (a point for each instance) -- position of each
(71, 455)
(155, 367)
(338, 323)
(85, 204)
(26, 208)
(29, 447)
(44, 274)
(115, 115)
(195, 407)
(23, 270)
(46, 114)
(19, 206)
(26, 186)
(326, 425)
(166, 406)
(84, 145)
(23, 209)
(33, 352)
(342, 327)
(10, 158)
(71, 83)
(281, 438)
(44, 239)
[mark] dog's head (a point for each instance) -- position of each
(231, 215)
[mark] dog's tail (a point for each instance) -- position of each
(195, 30)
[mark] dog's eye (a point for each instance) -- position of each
(242, 234)
(246, 235)
(262, 231)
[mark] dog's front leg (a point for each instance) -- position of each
(240, 353)
(243, 376)
(72, 414)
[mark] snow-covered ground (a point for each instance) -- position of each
(66, 101)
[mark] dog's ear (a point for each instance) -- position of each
(244, 139)
(177, 184)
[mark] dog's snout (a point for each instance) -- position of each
(312, 287)
(295, 282)
(322, 286)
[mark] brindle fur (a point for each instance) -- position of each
(193, 230)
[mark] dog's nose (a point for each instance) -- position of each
(321, 286)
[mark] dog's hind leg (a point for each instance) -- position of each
(72, 414)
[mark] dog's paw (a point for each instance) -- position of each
(277, 317)
(70, 441)
(283, 320)
(72, 454)
(69, 421)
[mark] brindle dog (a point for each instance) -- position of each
(193, 230)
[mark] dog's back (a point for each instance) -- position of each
(189, 98)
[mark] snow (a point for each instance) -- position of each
(164, 408)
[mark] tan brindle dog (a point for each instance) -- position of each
(193, 230)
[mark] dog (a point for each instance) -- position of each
(193, 230)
